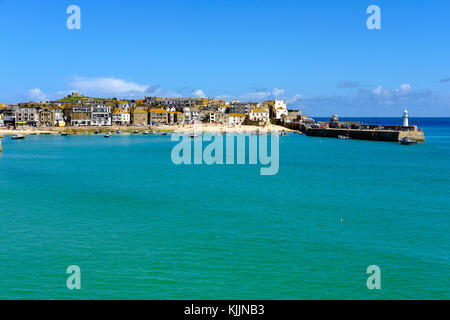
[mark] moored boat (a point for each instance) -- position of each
(17, 137)
(407, 141)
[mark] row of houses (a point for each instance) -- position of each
(76, 110)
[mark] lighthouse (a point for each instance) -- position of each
(405, 118)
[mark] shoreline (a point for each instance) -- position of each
(204, 128)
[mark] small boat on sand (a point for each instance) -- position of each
(135, 131)
(118, 132)
(107, 135)
(18, 137)
(96, 132)
(407, 141)
(64, 134)
(145, 132)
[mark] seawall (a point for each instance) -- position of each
(366, 134)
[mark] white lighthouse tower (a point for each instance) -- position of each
(405, 118)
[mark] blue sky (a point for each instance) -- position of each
(318, 55)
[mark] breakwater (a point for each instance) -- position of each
(365, 134)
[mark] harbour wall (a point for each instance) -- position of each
(368, 134)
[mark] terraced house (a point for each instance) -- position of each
(80, 115)
(175, 117)
(158, 116)
(27, 115)
(120, 117)
(46, 117)
(101, 115)
(139, 116)
(234, 118)
(260, 115)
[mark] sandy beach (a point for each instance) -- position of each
(163, 128)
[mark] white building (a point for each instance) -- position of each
(236, 118)
(58, 116)
(2, 122)
(280, 109)
(101, 116)
(121, 117)
(259, 114)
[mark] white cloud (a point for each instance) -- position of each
(36, 95)
(261, 94)
(380, 91)
(199, 94)
(404, 88)
(109, 86)
(277, 92)
(294, 98)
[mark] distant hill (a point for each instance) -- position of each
(77, 98)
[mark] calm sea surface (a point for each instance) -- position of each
(141, 227)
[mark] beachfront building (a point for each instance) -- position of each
(58, 117)
(158, 116)
(139, 116)
(187, 115)
(46, 117)
(234, 118)
(195, 116)
(216, 117)
(177, 103)
(80, 116)
(9, 115)
(121, 117)
(2, 112)
(175, 117)
(27, 116)
(101, 115)
(280, 109)
(293, 116)
(239, 107)
(260, 115)
(205, 115)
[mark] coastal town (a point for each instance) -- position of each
(76, 114)
(77, 111)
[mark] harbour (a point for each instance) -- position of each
(187, 232)
(357, 130)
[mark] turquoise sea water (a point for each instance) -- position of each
(141, 227)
